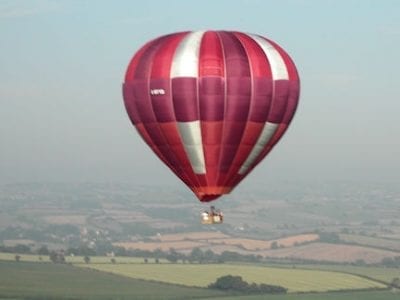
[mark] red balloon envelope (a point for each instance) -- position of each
(211, 104)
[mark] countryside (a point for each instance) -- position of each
(330, 261)
(199, 150)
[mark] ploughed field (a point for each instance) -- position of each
(215, 241)
(301, 246)
(338, 253)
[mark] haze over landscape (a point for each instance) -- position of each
(84, 200)
(63, 63)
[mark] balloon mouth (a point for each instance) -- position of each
(210, 193)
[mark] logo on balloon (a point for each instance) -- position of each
(157, 92)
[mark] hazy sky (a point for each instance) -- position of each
(62, 64)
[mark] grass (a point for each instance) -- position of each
(30, 280)
(377, 273)
(369, 295)
(296, 280)
(107, 260)
(24, 257)
(376, 242)
(77, 259)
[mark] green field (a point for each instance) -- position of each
(31, 280)
(378, 273)
(296, 280)
(28, 280)
(370, 295)
(135, 268)
(24, 257)
(77, 259)
(376, 242)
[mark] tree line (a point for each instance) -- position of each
(237, 284)
(197, 255)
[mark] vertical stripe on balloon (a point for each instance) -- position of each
(263, 139)
(184, 73)
(280, 93)
(237, 100)
(278, 66)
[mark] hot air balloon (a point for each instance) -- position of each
(211, 104)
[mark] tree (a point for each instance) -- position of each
(22, 249)
(388, 262)
(43, 250)
(53, 256)
(120, 251)
(274, 245)
(86, 251)
(229, 282)
(146, 260)
(230, 256)
(329, 237)
(395, 283)
(236, 283)
(209, 256)
(158, 253)
(271, 289)
(17, 257)
(172, 256)
(196, 255)
(57, 257)
(86, 259)
(81, 250)
(113, 261)
(345, 230)
(360, 262)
